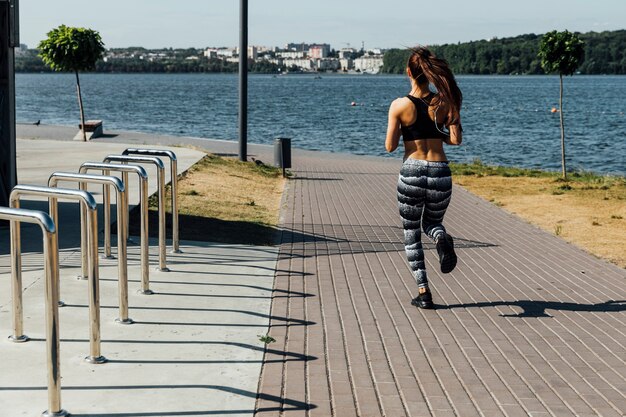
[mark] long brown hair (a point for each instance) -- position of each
(424, 66)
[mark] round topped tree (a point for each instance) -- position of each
(70, 49)
(562, 53)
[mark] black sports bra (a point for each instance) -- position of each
(423, 127)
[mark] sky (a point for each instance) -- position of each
(341, 23)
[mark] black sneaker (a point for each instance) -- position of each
(423, 300)
(447, 257)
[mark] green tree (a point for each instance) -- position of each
(72, 49)
(561, 52)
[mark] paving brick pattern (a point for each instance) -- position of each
(527, 325)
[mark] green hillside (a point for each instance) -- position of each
(605, 53)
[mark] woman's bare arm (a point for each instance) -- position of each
(393, 126)
(456, 135)
(456, 132)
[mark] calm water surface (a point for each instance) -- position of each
(506, 120)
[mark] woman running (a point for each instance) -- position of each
(426, 120)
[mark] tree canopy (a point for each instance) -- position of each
(561, 52)
(71, 49)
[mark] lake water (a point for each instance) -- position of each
(506, 120)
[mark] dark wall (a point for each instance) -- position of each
(8, 169)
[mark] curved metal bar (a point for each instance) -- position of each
(174, 181)
(161, 193)
(150, 152)
(85, 178)
(35, 190)
(51, 268)
(105, 169)
(143, 198)
(136, 159)
(95, 179)
(29, 216)
(122, 208)
(48, 192)
(89, 205)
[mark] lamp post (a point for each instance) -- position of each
(243, 80)
(9, 39)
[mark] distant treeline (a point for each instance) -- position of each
(29, 61)
(605, 53)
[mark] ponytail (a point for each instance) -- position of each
(424, 66)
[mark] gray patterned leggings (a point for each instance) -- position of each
(424, 191)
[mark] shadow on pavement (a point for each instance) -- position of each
(208, 229)
(284, 404)
(538, 308)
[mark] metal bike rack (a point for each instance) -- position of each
(89, 203)
(143, 196)
(161, 194)
(122, 209)
(51, 268)
(174, 175)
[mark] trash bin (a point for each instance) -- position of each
(282, 153)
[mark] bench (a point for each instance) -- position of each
(93, 129)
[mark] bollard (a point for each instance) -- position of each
(143, 198)
(122, 207)
(161, 194)
(282, 153)
(174, 180)
(51, 268)
(90, 205)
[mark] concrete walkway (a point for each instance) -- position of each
(194, 348)
(527, 325)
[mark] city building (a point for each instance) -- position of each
(319, 51)
(346, 64)
(304, 57)
(369, 63)
(327, 64)
(346, 53)
(277, 61)
(291, 54)
(298, 47)
(226, 52)
(253, 52)
(304, 64)
(210, 53)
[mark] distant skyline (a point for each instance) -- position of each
(383, 24)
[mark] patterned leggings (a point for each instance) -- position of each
(424, 191)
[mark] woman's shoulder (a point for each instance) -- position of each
(401, 102)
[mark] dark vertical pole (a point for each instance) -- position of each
(9, 38)
(243, 80)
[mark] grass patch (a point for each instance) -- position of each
(223, 200)
(479, 169)
(583, 179)
(587, 209)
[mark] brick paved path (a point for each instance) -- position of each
(526, 325)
